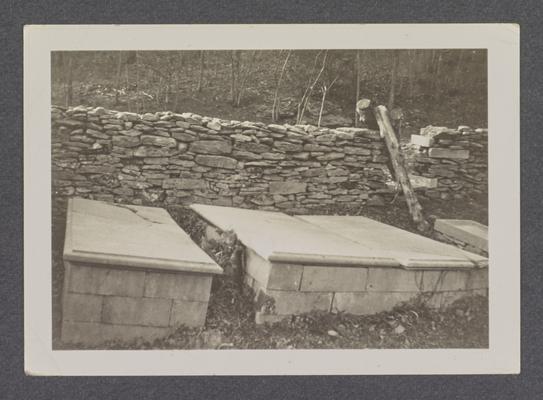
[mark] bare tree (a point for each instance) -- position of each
(201, 75)
(240, 74)
(324, 89)
(275, 108)
(393, 79)
(411, 70)
(302, 105)
(118, 80)
(235, 56)
(357, 77)
(69, 79)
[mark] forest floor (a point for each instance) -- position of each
(231, 315)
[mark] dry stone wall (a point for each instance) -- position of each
(453, 161)
(168, 158)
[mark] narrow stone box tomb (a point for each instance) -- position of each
(130, 272)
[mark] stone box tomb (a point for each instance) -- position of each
(130, 272)
(342, 263)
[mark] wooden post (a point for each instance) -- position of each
(400, 171)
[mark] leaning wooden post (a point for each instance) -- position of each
(400, 171)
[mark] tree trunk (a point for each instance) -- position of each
(400, 171)
(412, 70)
(201, 76)
(309, 91)
(435, 79)
(127, 87)
(357, 77)
(141, 103)
(275, 110)
(234, 63)
(393, 79)
(325, 89)
(244, 77)
(458, 70)
(69, 80)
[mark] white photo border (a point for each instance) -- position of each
(503, 354)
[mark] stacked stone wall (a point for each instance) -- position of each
(166, 158)
(453, 161)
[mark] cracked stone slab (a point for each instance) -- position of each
(464, 230)
(280, 238)
(409, 249)
(135, 236)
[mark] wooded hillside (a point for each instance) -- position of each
(439, 87)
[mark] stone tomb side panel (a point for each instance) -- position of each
(136, 311)
(257, 267)
(334, 279)
(401, 280)
(362, 303)
(82, 307)
(285, 276)
(291, 302)
(180, 286)
(98, 279)
(189, 313)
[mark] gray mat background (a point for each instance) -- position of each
(14, 14)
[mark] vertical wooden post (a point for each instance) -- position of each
(400, 171)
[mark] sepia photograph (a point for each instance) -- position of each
(269, 198)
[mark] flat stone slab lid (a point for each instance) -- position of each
(409, 249)
(135, 236)
(465, 230)
(278, 237)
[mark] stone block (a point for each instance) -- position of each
(444, 280)
(424, 141)
(436, 152)
(288, 146)
(477, 279)
(211, 147)
(158, 141)
(188, 313)
(285, 276)
(92, 333)
(365, 303)
(126, 141)
(105, 281)
(81, 307)
(183, 136)
(422, 182)
(334, 279)
(394, 280)
(257, 267)
(136, 311)
(182, 286)
(143, 151)
(288, 187)
(216, 161)
(291, 302)
(184, 184)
